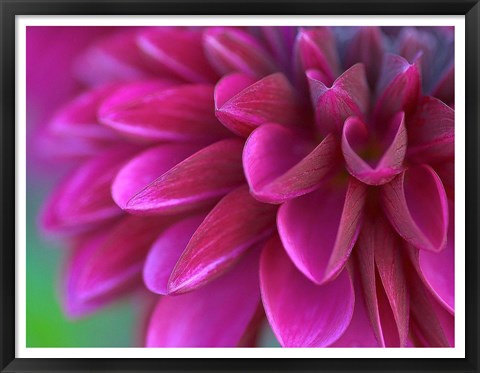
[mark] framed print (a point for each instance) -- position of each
(240, 186)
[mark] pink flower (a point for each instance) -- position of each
(302, 174)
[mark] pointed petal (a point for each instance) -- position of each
(431, 132)
(165, 253)
(388, 165)
(445, 89)
(115, 58)
(398, 88)
(301, 313)
(235, 224)
(318, 230)
(84, 199)
(416, 204)
(113, 260)
(317, 50)
(379, 255)
(349, 95)
(231, 50)
(367, 47)
(280, 165)
(79, 117)
(198, 181)
(216, 315)
(153, 112)
(271, 99)
(178, 51)
(359, 332)
(144, 168)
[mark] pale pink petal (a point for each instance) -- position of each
(111, 261)
(303, 314)
(416, 205)
(348, 95)
(216, 315)
(197, 181)
(367, 47)
(431, 132)
(242, 108)
(84, 199)
(233, 50)
(398, 88)
(145, 167)
(221, 239)
(165, 253)
(318, 230)
(317, 49)
(281, 165)
(159, 111)
(178, 51)
(376, 170)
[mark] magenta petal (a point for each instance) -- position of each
(416, 205)
(199, 180)
(349, 95)
(317, 50)
(152, 112)
(391, 162)
(279, 165)
(115, 58)
(318, 230)
(144, 168)
(113, 260)
(367, 47)
(359, 332)
(221, 239)
(301, 313)
(242, 108)
(398, 88)
(79, 118)
(165, 253)
(84, 199)
(431, 132)
(178, 51)
(233, 50)
(445, 89)
(216, 315)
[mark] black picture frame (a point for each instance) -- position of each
(11, 8)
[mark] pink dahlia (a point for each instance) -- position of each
(302, 174)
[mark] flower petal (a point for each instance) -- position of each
(381, 270)
(221, 239)
(165, 253)
(230, 50)
(318, 230)
(367, 47)
(153, 112)
(301, 313)
(199, 180)
(178, 51)
(349, 95)
(216, 315)
(398, 88)
(280, 165)
(242, 108)
(115, 58)
(144, 168)
(317, 50)
(388, 165)
(431, 132)
(84, 199)
(445, 89)
(111, 261)
(416, 204)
